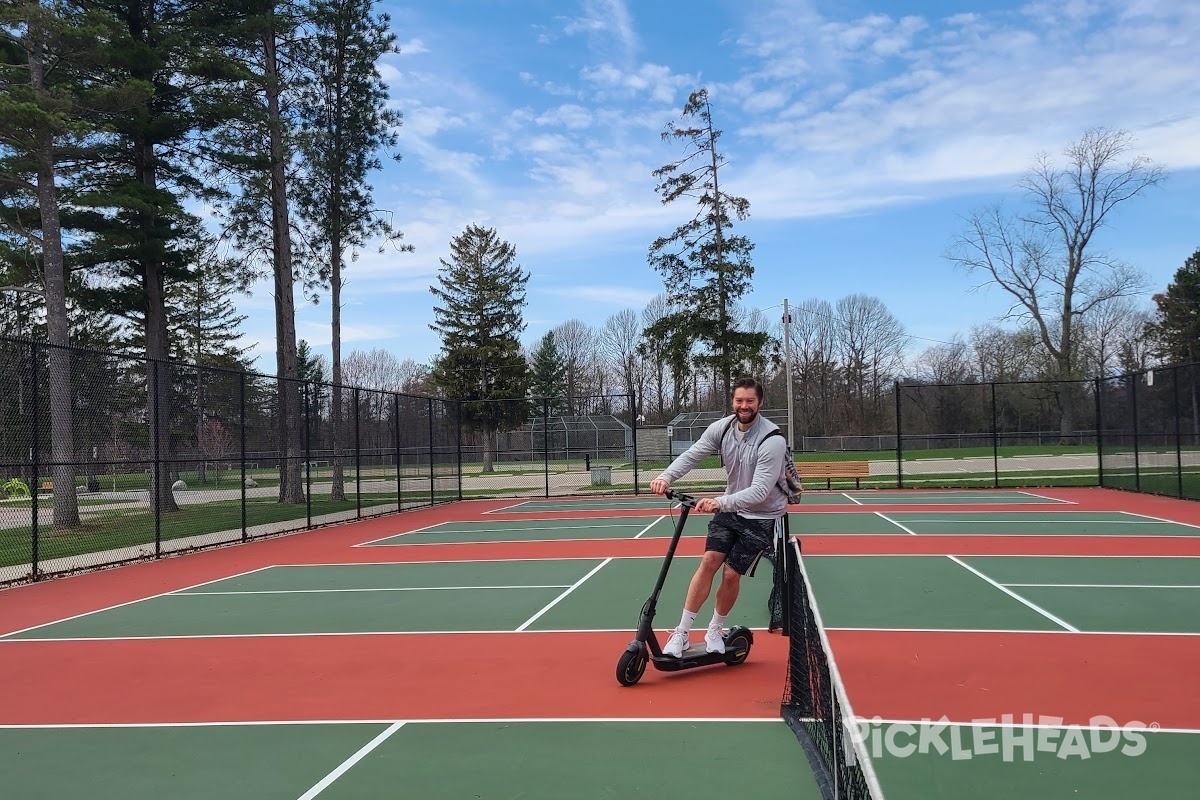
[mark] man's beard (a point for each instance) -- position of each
(747, 420)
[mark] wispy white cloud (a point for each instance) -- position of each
(607, 23)
(619, 297)
(413, 47)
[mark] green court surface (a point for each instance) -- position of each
(1073, 765)
(895, 523)
(556, 760)
(822, 497)
(1007, 593)
(548, 529)
(950, 498)
(649, 503)
(998, 523)
(551, 594)
(882, 592)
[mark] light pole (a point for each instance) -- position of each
(787, 357)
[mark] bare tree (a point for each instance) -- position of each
(872, 342)
(1046, 258)
(812, 332)
(946, 363)
(619, 342)
(1105, 331)
(1004, 355)
(577, 344)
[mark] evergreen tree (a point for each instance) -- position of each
(48, 54)
(344, 124)
(482, 291)
(1177, 329)
(548, 373)
(705, 268)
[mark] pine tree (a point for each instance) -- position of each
(706, 269)
(482, 291)
(344, 124)
(48, 56)
(548, 372)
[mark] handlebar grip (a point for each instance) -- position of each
(684, 499)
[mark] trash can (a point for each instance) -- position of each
(601, 476)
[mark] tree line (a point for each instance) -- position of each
(158, 157)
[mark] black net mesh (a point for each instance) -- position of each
(814, 702)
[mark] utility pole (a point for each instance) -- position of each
(787, 356)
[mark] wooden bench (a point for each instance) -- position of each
(834, 469)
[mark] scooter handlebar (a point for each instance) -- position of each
(684, 499)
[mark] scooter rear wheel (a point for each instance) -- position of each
(631, 666)
(738, 648)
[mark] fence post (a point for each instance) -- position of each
(1099, 433)
(308, 404)
(1137, 459)
(399, 474)
(357, 457)
(1178, 443)
(34, 461)
(633, 413)
(242, 447)
(432, 487)
(546, 442)
(995, 443)
(458, 444)
(156, 454)
(899, 442)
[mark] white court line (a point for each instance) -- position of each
(341, 769)
(1011, 631)
(130, 602)
(651, 525)
(292, 635)
(380, 589)
(885, 518)
(1014, 595)
(1052, 499)
(544, 541)
(1014, 724)
(424, 528)
(401, 533)
(1159, 519)
(1107, 585)
(438, 721)
(519, 529)
(853, 499)
(563, 596)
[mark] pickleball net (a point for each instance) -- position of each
(815, 705)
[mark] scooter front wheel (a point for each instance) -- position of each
(632, 665)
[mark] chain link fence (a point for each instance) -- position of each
(107, 458)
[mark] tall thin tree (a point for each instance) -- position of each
(706, 269)
(345, 123)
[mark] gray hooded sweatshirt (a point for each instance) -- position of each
(756, 486)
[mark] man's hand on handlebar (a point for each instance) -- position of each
(659, 486)
(707, 505)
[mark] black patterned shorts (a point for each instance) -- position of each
(743, 540)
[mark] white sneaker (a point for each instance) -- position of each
(714, 640)
(678, 642)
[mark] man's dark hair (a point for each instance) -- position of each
(748, 383)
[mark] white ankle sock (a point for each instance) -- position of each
(718, 621)
(686, 621)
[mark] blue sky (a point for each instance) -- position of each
(861, 132)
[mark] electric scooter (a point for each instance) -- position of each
(645, 647)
